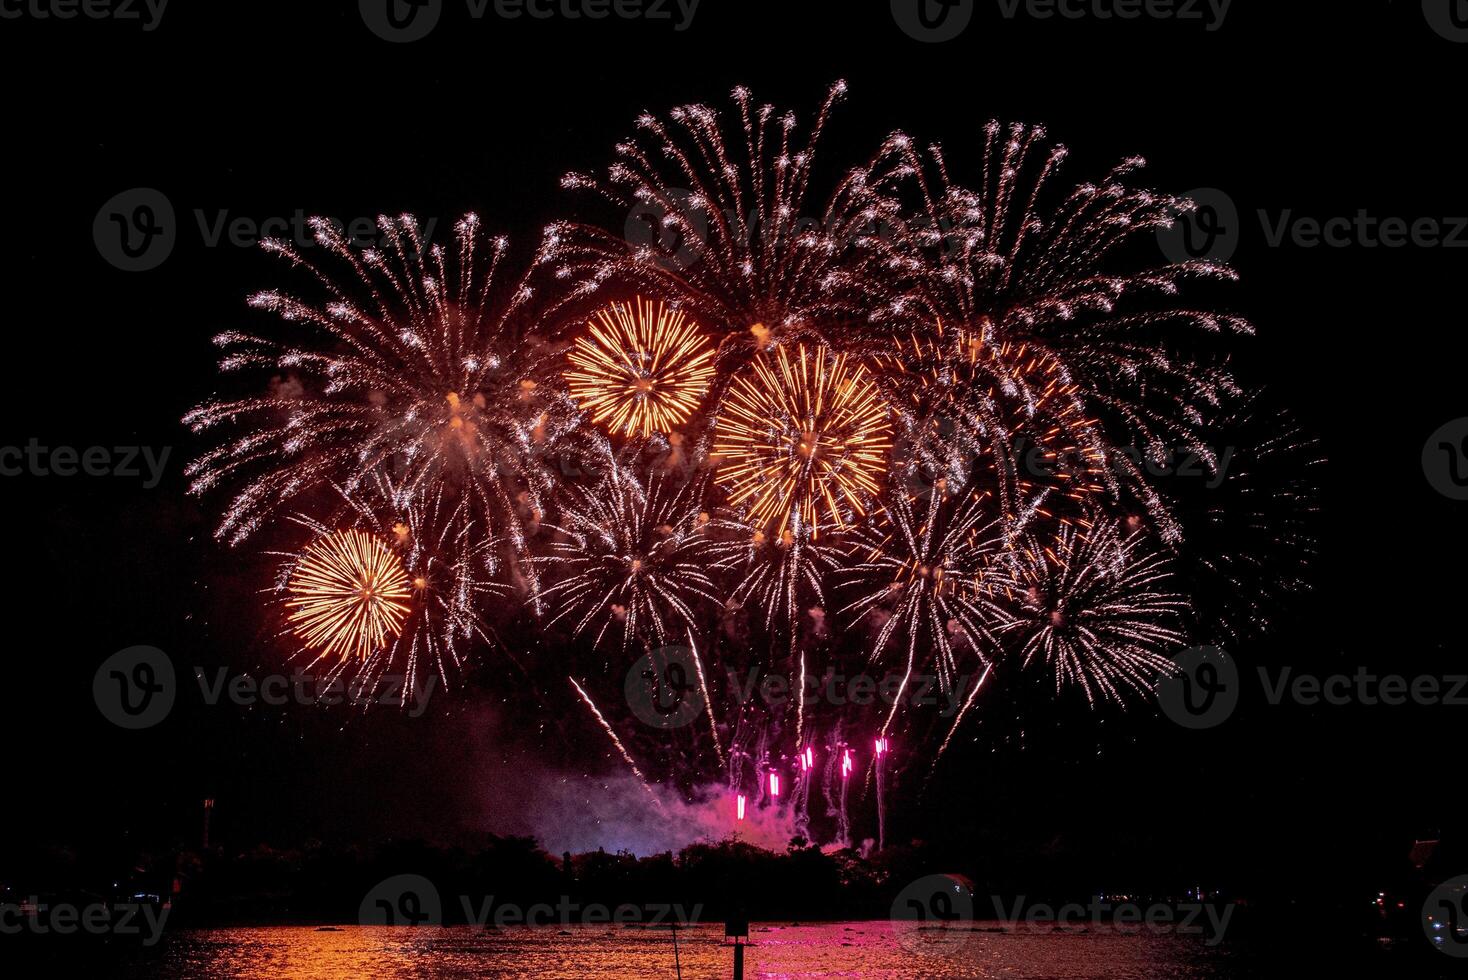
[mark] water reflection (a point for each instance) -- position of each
(858, 949)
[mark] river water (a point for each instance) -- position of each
(853, 949)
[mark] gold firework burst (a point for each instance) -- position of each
(802, 439)
(349, 595)
(643, 369)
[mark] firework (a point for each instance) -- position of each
(448, 562)
(999, 411)
(1024, 279)
(643, 369)
(1095, 607)
(349, 596)
(612, 734)
(1252, 527)
(756, 258)
(634, 557)
(778, 575)
(933, 575)
(802, 440)
(421, 366)
(838, 364)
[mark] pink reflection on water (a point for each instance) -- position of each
(851, 949)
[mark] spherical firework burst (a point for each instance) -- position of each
(1251, 529)
(349, 595)
(1003, 413)
(802, 441)
(932, 574)
(1096, 608)
(636, 558)
(445, 559)
(1035, 281)
(423, 368)
(643, 369)
(755, 259)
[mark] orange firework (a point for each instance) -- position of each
(970, 394)
(349, 595)
(642, 370)
(802, 439)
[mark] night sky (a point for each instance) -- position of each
(265, 108)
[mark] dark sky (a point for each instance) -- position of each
(263, 108)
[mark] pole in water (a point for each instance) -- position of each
(736, 927)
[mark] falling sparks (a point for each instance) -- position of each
(642, 369)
